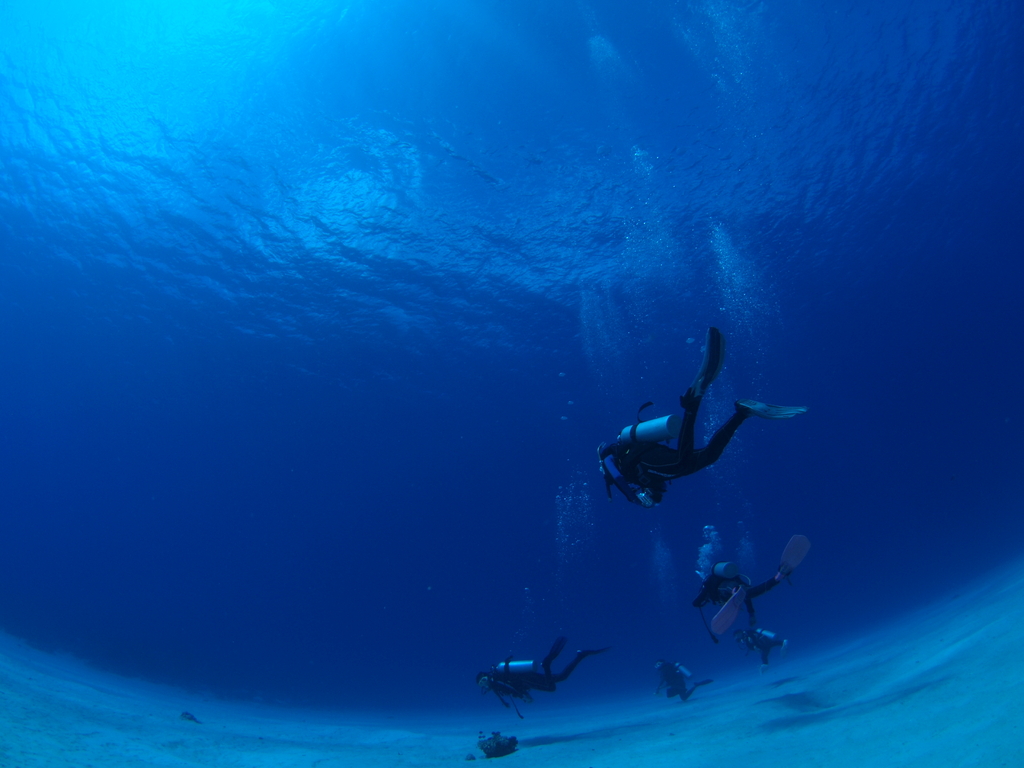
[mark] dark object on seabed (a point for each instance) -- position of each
(497, 745)
(471, 756)
(190, 717)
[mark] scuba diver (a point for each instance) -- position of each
(724, 581)
(641, 466)
(516, 679)
(674, 676)
(760, 640)
(726, 586)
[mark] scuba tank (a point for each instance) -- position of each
(653, 431)
(520, 667)
(650, 432)
(729, 572)
(726, 570)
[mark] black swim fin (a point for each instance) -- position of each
(769, 411)
(711, 365)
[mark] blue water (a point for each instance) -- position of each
(312, 315)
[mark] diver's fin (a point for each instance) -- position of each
(794, 553)
(767, 411)
(727, 615)
(711, 365)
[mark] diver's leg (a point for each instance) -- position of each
(690, 403)
(712, 452)
(556, 648)
(580, 656)
(760, 589)
(711, 365)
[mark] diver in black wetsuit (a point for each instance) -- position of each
(760, 640)
(516, 679)
(725, 578)
(641, 466)
(675, 676)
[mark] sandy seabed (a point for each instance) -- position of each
(945, 687)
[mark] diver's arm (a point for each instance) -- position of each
(760, 589)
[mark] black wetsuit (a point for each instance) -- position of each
(653, 465)
(758, 640)
(674, 676)
(717, 590)
(505, 681)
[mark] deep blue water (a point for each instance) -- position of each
(312, 315)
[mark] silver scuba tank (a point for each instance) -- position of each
(520, 667)
(653, 431)
(726, 570)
